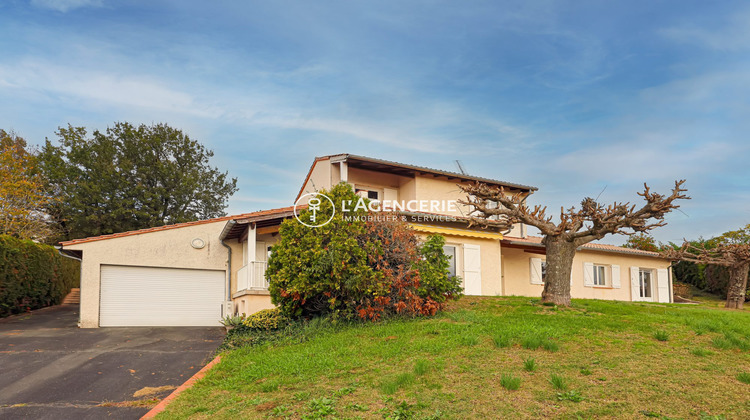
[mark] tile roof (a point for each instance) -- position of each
(176, 225)
(591, 246)
(346, 156)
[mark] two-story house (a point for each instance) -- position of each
(194, 273)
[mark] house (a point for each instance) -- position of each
(192, 274)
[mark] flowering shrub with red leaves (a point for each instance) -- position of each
(402, 260)
(368, 268)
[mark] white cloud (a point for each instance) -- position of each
(65, 5)
(732, 35)
(100, 87)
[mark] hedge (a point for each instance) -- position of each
(33, 275)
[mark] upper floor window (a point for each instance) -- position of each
(370, 194)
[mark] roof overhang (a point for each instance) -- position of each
(396, 168)
(236, 228)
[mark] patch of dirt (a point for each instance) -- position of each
(152, 390)
(266, 406)
(135, 403)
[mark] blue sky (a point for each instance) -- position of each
(574, 97)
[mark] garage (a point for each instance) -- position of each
(133, 296)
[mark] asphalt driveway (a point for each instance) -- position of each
(51, 369)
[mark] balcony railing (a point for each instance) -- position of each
(252, 276)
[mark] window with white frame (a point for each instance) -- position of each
(450, 252)
(544, 270)
(645, 277)
(600, 275)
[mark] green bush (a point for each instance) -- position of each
(266, 320)
(435, 281)
(359, 265)
(33, 275)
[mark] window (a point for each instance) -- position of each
(600, 278)
(369, 194)
(450, 251)
(544, 270)
(645, 277)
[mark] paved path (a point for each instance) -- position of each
(51, 369)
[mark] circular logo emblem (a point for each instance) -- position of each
(314, 202)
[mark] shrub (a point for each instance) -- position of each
(266, 320)
(510, 382)
(436, 283)
(363, 265)
(33, 275)
(232, 321)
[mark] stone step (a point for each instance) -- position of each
(73, 298)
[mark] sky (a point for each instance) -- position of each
(578, 98)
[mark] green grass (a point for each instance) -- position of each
(529, 365)
(510, 382)
(661, 335)
(558, 382)
(744, 377)
(452, 365)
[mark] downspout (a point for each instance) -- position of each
(669, 281)
(228, 227)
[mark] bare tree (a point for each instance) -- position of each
(576, 227)
(731, 250)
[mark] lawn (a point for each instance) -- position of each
(494, 357)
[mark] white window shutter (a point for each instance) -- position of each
(662, 283)
(616, 277)
(635, 285)
(472, 270)
(588, 274)
(535, 270)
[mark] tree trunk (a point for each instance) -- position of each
(737, 286)
(560, 255)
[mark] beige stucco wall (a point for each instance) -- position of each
(252, 303)
(516, 273)
(320, 177)
(167, 248)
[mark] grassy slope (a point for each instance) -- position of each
(452, 366)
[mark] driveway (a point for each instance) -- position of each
(51, 369)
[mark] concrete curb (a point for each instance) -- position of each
(190, 382)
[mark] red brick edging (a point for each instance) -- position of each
(190, 382)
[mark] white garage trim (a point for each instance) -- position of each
(134, 296)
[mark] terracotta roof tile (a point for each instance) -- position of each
(176, 225)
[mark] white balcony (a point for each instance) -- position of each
(252, 276)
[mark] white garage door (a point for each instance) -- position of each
(147, 296)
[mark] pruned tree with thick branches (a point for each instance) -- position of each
(576, 227)
(730, 250)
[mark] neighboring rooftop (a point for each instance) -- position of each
(536, 242)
